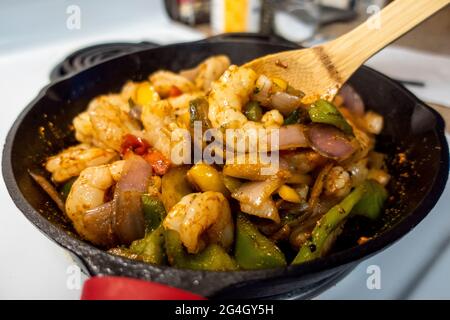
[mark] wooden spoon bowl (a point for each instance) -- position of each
(320, 71)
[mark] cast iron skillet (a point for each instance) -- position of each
(43, 128)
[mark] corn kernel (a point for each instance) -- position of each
(205, 178)
(289, 194)
(145, 94)
(280, 83)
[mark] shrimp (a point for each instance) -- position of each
(129, 90)
(207, 71)
(228, 95)
(210, 70)
(71, 161)
(108, 125)
(118, 100)
(83, 128)
(88, 192)
(104, 123)
(162, 120)
(201, 218)
(158, 119)
(163, 81)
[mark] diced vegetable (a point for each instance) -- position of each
(206, 178)
(379, 175)
(280, 83)
(213, 257)
(288, 194)
(135, 144)
(293, 117)
(322, 111)
(65, 189)
(174, 186)
(299, 115)
(255, 198)
(352, 100)
(175, 92)
(317, 188)
(253, 111)
(284, 102)
(154, 212)
(314, 247)
(295, 92)
(232, 184)
(246, 171)
(329, 141)
(160, 164)
(292, 136)
(262, 90)
(253, 250)
(299, 178)
(151, 247)
(371, 204)
(198, 110)
(49, 189)
(145, 94)
(128, 215)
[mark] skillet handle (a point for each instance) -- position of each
(122, 288)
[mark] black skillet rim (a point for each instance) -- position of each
(87, 252)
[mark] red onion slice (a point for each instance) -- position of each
(97, 224)
(292, 136)
(329, 141)
(255, 198)
(49, 189)
(352, 100)
(284, 102)
(263, 86)
(128, 219)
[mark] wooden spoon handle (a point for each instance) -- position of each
(351, 50)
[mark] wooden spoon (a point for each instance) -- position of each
(320, 71)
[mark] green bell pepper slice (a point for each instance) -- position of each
(253, 111)
(313, 248)
(151, 247)
(299, 115)
(212, 258)
(322, 111)
(65, 189)
(198, 111)
(371, 204)
(154, 211)
(253, 250)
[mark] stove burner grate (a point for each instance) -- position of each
(89, 56)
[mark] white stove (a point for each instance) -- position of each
(36, 36)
